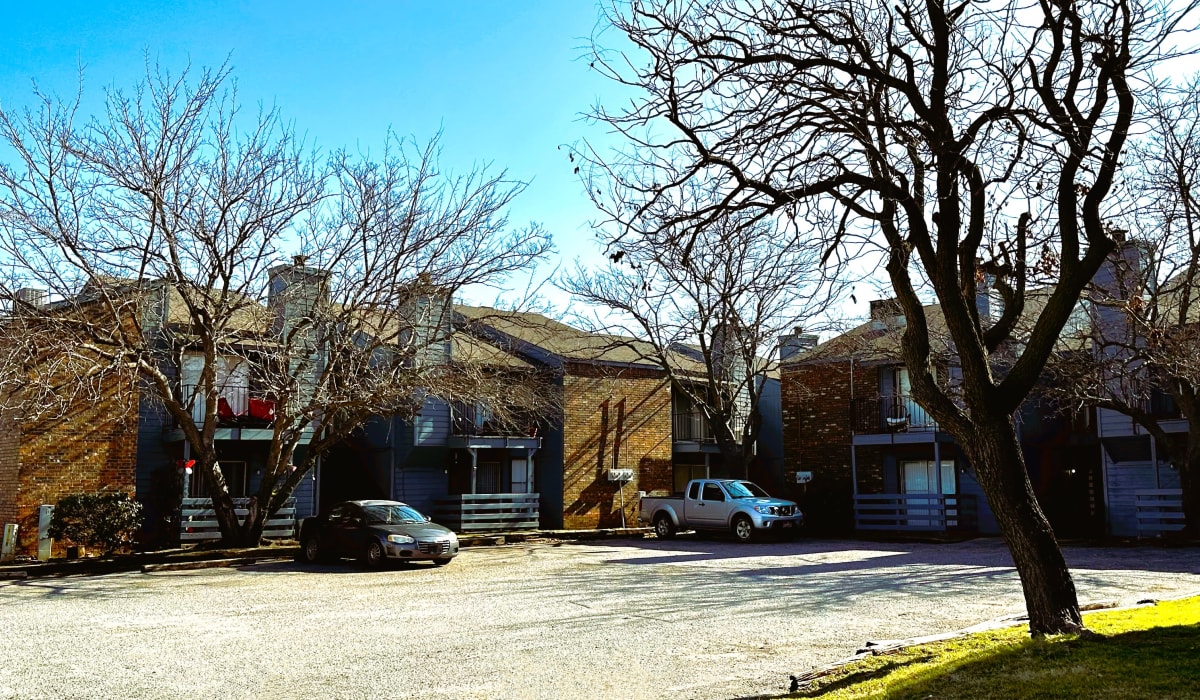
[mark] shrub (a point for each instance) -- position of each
(105, 520)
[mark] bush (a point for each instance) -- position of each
(105, 520)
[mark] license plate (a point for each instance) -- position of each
(786, 523)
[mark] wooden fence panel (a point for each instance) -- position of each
(482, 512)
(1158, 511)
(199, 523)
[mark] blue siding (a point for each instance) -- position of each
(548, 463)
(152, 452)
(431, 427)
(419, 484)
(305, 495)
(770, 434)
(969, 485)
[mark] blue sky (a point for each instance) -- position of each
(505, 81)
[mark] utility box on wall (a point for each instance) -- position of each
(8, 546)
(45, 544)
(624, 476)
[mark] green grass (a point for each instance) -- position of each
(1150, 652)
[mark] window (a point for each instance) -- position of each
(712, 492)
(746, 489)
(694, 492)
(684, 473)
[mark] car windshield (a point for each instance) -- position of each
(745, 489)
(391, 515)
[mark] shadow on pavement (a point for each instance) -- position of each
(989, 552)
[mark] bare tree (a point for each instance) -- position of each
(973, 140)
(1144, 310)
(157, 230)
(711, 313)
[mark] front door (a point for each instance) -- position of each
(522, 476)
(922, 477)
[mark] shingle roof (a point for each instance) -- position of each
(878, 341)
(534, 332)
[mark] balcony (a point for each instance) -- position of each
(474, 428)
(692, 426)
(890, 414)
(237, 407)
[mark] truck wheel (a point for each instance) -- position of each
(664, 528)
(743, 528)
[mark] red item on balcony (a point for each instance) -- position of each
(224, 410)
(262, 409)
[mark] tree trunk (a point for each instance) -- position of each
(250, 533)
(233, 533)
(1189, 468)
(1049, 589)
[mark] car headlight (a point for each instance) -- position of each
(400, 539)
(765, 510)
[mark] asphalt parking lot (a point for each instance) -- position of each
(689, 618)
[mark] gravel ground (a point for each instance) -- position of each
(612, 619)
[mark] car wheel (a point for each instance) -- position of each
(743, 528)
(664, 528)
(374, 555)
(310, 551)
(442, 561)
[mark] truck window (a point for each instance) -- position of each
(712, 492)
(694, 491)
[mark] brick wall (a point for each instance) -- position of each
(613, 418)
(93, 446)
(817, 437)
(10, 486)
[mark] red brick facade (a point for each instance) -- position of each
(817, 436)
(613, 418)
(92, 447)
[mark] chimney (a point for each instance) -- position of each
(983, 291)
(294, 291)
(1118, 280)
(30, 297)
(885, 313)
(795, 343)
(428, 318)
(729, 359)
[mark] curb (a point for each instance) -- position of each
(209, 564)
(158, 562)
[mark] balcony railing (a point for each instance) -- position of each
(237, 407)
(890, 414)
(466, 422)
(916, 512)
(692, 426)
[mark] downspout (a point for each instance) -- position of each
(853, 453)
(474, 466)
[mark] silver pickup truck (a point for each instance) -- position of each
(720, 504)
